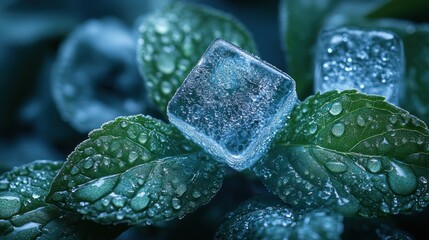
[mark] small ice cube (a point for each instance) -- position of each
(232, 104)
(367, 60)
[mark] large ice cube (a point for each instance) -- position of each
(232, 104)
(368, 60)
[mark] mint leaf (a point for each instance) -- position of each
(24, 215)
(266, 219)
(353, 152)
(136, 170)
(173, 39)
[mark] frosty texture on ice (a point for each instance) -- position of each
(367, 60)
(232, 104)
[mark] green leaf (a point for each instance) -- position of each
(24, 215)
(265, 219)
(173, 39)
(136, 170)
(353, 152)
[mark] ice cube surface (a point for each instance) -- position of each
(232, 104)
(370, 61)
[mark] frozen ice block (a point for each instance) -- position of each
(367, 60)
(232, 104)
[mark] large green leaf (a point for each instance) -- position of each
(353, 152)
(263, 218)
(173, 39)
(24, 215)
(136, 170)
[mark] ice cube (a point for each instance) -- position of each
(232, 104)
(370, 61)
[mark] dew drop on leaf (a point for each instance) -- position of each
(338, 129)
(401, 179)
(139, 202)
(96, 189)
(143, 138)
(4, 184)
(360, 121)
(132, 156)
(336, 167)
(166, 63)
(336, 109)
(374, 165)
(175, 202)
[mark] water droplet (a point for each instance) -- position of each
(196, 194)
(393, 119)
(166, 87)
(74, 170)
(139, 202)
(162, 26)
(384, 146)
(336, 167)
(118, 201)
(132, 156)
(374, 165)
(124, 124)
(165, 63)
(175, 202)
(132, 132)
(312, 129)
(10, 204)
(401, 179)
(181, 189)
(96, 188)
(338, 129)
(143, 138)
(336, 109)
(4, 184)
(360, 121)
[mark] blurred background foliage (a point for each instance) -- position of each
(31, 127)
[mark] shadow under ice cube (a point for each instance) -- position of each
(232, 104)
(371, 61)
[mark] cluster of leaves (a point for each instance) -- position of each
(339, 155)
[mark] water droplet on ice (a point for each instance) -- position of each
(338, 129)
(336, 109)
